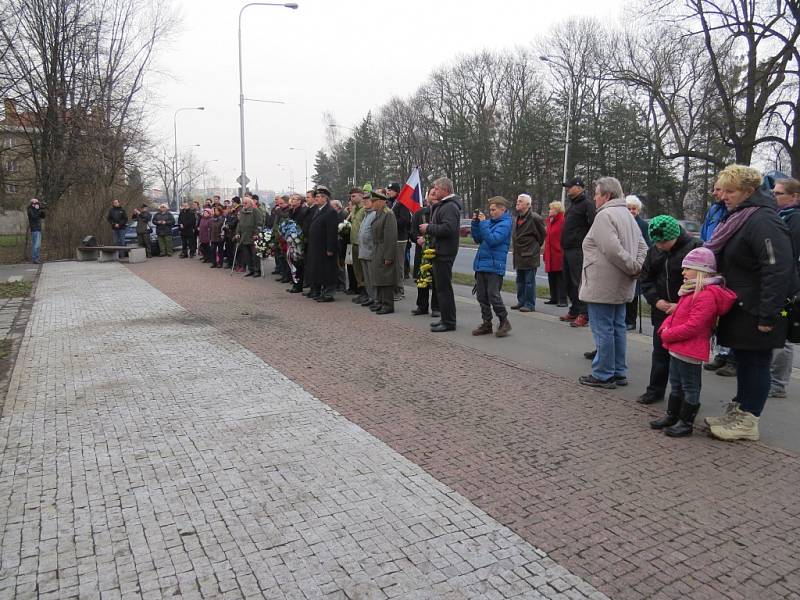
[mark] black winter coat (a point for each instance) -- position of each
(35, 216)
(791, 216)
(186, 221)
(117, 217)
(143, 221)
(662, 274)
(302, 215)
(444, 227)
(403, 217)
(164, 223)
(323, 238)
(577, 221)
(757, 264)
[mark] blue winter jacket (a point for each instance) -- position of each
(716, 213)
(494, 237)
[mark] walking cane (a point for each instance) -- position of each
(233, 264)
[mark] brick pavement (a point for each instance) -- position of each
(146, 455)
(574, 471)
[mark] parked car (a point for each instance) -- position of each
(465, 228)
(131, 239)
(691, 227)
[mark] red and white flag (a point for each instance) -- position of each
(411, 194)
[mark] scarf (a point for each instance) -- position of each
(690, 285)
(727, 228)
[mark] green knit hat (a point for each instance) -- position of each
(663, 228)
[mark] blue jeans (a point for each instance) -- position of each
(526, 287)
(607, 322)
(36, 245)
(752, 379)
(685, 380)
(119, 237)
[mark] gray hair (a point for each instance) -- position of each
(336, 204)
(445, 184)
(610, 185)
(526, 198)
(633, 201)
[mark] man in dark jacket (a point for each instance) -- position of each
(444, 228)
(118, 219)
(527, 239)
(246, 230)
(164, 222)
(186, 226)
(403, 217)
(322, 267)
(661, 278)
(577, 221)
(300, 214)
(425, 295)
(142, 217)
(35, 217)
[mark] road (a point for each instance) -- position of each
(466, 255)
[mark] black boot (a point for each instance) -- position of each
(685, 424)
(673, 411)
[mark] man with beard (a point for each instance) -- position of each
(322, 268)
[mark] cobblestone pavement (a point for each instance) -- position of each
(574, 471)
(145, 454)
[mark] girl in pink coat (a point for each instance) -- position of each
(686, 334)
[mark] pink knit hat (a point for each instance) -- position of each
(700, 259)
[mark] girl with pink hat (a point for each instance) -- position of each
(686, 335)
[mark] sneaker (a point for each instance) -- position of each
(743, 426)
(728, 370)
(730, 413)
(590, 355)
(592, 381)
(526, 309)
(550, 302)
(776, 394)
(580, 321)
(620, 380)
(516, 307)
(568, 318)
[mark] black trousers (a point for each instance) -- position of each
(632, 311)
(217, 253)
(659, 364)
(573, 265)
(249, 259)
(188, 243)
(230, 250)
(425, 296)
(443, 275)
(558, 291)
(487, 290)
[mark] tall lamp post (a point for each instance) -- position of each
(549, 59)
(175, 156)
(243, 176)
(354, 148)
(305, 156)
(291, 175)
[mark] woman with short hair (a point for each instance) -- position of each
(554, 255)
(754, 254)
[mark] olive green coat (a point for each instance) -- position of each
(384, 234)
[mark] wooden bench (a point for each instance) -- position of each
(135, 254)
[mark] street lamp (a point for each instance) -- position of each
(175, 156)
(354, 148)
(243, 176)
(566, 137)
(305, 155)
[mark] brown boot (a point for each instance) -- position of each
(484, 329)
(503, 329)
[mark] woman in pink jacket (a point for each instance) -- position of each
(686, 334)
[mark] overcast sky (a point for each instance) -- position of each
(342, 56)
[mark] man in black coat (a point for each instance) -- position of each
(444, 229)
(302, 215)
(142, 217)
(577, 221)
(425, 296)
(186, 226)
(322, 267)
(661, 278)
(118, 219)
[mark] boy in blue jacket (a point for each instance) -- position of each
(494, 236)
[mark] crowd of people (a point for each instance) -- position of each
(736, 283)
